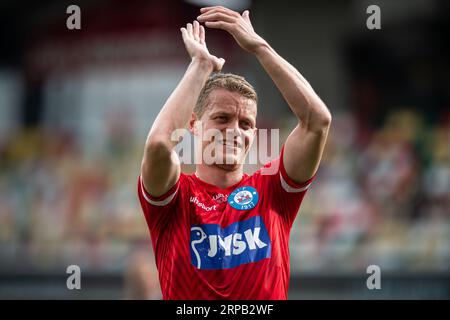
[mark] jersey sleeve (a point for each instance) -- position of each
(158, 210)
(283, 192)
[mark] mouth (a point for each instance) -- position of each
(231, 144)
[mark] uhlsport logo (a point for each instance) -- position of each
(242, 242)
(243, 198)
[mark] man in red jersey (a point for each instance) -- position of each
(220, 233)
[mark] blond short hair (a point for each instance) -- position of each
(228, 81)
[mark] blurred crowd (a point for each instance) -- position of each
(382, 196)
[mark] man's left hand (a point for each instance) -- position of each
(239, 26)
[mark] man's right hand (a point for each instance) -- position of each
(194, 40)
(160, 167)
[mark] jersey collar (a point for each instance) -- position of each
(214, 187)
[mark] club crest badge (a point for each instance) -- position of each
(243, 198)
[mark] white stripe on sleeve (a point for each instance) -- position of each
(161, 202)
(288, 188)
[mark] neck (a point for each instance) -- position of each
(220, 177)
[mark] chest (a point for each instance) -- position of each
(228, 229)
(225, 208)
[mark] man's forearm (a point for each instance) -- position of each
(297, 92)
(178, 108)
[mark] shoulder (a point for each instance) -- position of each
(166, 198)
(274, 173)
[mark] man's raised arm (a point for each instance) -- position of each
(304, 146)
(160, 168)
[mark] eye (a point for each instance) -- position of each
(221, 118)
(246, 125)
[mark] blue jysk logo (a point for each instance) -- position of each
(242, 242)
(243, 198)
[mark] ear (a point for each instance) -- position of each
(192, 124)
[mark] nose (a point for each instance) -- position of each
(234, 128)
(233, 131)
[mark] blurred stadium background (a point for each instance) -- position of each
(75, 107)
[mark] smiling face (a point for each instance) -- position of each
(228, 126)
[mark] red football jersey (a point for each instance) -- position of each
(233, 243)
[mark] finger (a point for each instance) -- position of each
(218, 16)
(219, 9)
(196, 31)
(219, 25)
(246, 16)
(189, 29)
(204, 9)
(202, 35)
(184, 33)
